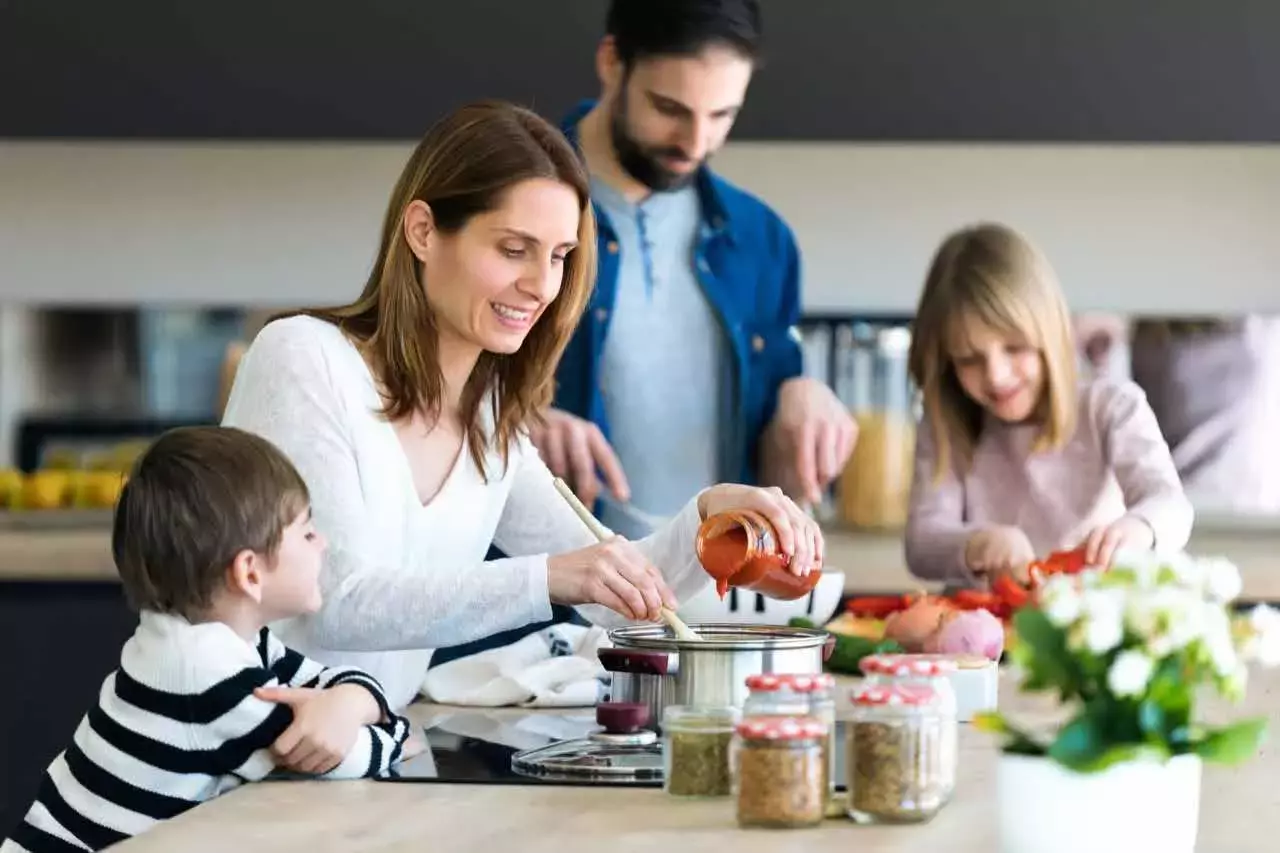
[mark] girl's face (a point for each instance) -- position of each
(1004, 374)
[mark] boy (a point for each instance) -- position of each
(213, 540)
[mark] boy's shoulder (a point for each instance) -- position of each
(171, 655)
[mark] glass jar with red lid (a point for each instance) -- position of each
(794, 694)
(900, 764)
(780, 771)
(933, 671)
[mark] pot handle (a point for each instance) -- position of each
(828, 647)
(635, 661)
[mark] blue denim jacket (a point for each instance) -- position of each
(749, 266)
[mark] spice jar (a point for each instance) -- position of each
(898, 768)
(740, 549)
(697, 744)
(794, 694)
(780, 771)
(935, 672)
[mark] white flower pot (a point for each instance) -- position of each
(1132, 806)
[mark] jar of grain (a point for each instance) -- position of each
(933, 672)
(898, 767)
(874, 489)
(794, 694)
(781, 772)
(696, 750)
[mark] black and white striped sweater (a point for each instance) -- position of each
(178, 724)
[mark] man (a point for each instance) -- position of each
(686, 368)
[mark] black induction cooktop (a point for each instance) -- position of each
(475, 748)
(472, 747)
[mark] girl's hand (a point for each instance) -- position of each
(1129, 531)
(1000, 551)
(799, 536)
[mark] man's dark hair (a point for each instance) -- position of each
(194, 500)
(643, 29)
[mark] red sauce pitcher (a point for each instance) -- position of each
(740, 549)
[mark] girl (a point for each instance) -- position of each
(1016, 457)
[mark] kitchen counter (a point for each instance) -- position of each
(871, 561)
(1240, 813)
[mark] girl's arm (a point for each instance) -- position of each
(936, 530)
(1139, 456)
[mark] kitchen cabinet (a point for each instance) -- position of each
(979, 70)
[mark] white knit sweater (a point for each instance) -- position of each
(401, 578)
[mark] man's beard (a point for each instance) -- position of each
(642, 162)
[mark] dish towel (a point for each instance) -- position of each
(556, 667)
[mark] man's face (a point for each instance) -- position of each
(670, 114)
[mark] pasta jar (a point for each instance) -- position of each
(934, 672)
(740, 548)
(794, 694)
(898, 767)
(696, 751)
(781, 772)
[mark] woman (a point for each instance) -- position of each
(406, 412)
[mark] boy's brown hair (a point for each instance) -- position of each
(195, 499)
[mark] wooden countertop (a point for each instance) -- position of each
(872, 562)
(1240, 813)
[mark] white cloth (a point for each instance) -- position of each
(401, 578)
(556, 667)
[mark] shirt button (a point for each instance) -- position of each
(601, 314)
(757, 343)
(612, 247)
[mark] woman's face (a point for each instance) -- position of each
(490, 282)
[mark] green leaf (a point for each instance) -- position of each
(1080, 744)
(1233, 744)
(1044, 655)
(1120, 753)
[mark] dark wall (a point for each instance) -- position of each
(1070, 70)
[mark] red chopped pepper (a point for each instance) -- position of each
(1011, 593)
(1061, 563)
(975, 599)
(877, 606)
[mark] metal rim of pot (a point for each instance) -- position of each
(726, 636)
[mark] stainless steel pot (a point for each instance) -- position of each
(650, 666)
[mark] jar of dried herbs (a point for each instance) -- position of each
(781, 771)
(935, 672)
(797, 694)
(900, 764)
(696, 750)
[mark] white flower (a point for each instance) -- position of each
(1187, 571)
(1142, 563)
(1217, 639)
(1060, 600)
(1130, 673)
(1221, 579)
(1102, 623)
(1235, 683)
(1262, 636)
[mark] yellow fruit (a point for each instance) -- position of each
(103, 489)
(46, 490)
(10, 487)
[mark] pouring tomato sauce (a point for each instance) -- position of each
(740, 549)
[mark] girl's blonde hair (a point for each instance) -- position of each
(990, 274)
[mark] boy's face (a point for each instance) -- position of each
(291, 586)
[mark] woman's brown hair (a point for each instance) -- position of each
(463, 167)
(992, 275)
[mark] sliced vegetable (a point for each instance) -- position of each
(877, 606)
(1011, 593)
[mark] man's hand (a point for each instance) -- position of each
(574, 449)
(809, 440)
(325, 724)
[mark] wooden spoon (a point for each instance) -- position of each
(602, 534)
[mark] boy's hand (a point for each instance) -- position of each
(325, 724)
(1000, 551)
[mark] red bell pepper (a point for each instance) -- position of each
(877, 606)
(975, 599)
(1010, 592)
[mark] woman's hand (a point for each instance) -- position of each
(799, 535)
(1129, 531)
(1000, 551)
(613, 573)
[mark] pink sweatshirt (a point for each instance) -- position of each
(1116, 463)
